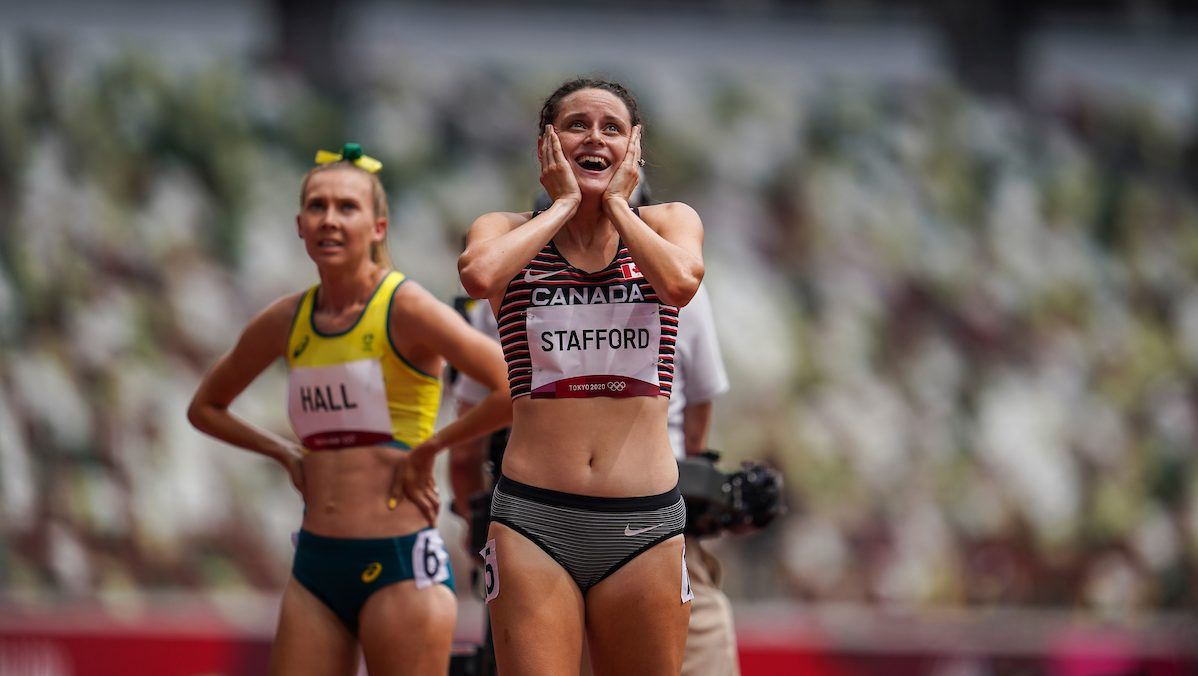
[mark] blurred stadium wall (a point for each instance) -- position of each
(953, 256)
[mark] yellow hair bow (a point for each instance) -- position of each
(350, 152)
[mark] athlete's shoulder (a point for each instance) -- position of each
(282, 310)
(270, 328)
(411, 299)
(419, 318)
(670, 212)
(501, 220)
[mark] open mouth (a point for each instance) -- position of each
(328, 244)
(592, 162)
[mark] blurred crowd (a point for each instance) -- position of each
(965, 329)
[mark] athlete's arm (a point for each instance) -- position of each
(467, 458)
(262, 341)
(424, 326)
(666, 240)
(500, 244)
(696, 422)
(466, 468)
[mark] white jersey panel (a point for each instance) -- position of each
(468, 390)
(699, 373)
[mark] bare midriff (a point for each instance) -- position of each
(346, 493)
(601, 446)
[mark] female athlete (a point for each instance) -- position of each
(586, 532)
(364, 348)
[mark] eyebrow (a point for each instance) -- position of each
(605, 117)
(321, 198)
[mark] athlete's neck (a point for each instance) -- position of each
(341, 289)
(589, 227)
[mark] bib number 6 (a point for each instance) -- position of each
(430, 561)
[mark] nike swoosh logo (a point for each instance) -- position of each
(629, 532)
(529, 277)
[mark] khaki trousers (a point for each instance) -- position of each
(710, 639)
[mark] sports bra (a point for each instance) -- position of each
(567, 333)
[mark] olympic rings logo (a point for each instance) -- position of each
(616, 386)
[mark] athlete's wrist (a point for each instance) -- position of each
(615, 200)
(427, 449)
(568, 203)
(616, 204)
(282, 452)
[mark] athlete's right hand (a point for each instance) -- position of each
(556, 175)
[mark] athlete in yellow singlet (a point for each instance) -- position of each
(411, 396)
(365, 349)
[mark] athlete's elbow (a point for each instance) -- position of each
(680, 290)
(204, 414)
(195, 415)
(677, 295)
(475, 280)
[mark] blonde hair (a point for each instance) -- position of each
(378, 197)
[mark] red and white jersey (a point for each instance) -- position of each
(568, 333)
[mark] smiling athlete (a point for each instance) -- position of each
(587, 517)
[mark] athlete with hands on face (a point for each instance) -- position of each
(364, 349)
(587, 518)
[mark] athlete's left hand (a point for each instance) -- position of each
(414, 481)
(628, 174)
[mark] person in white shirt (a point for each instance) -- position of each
(699, 377)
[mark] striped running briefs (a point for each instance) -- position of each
(590, 537)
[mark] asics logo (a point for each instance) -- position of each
(629, 532)
(372, 572)
(530, 277)
(300, 348)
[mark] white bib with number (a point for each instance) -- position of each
(430, 561)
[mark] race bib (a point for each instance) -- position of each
(430, 561)
(490, 571)
(604, 350)
(339, 406)
(688, 594)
